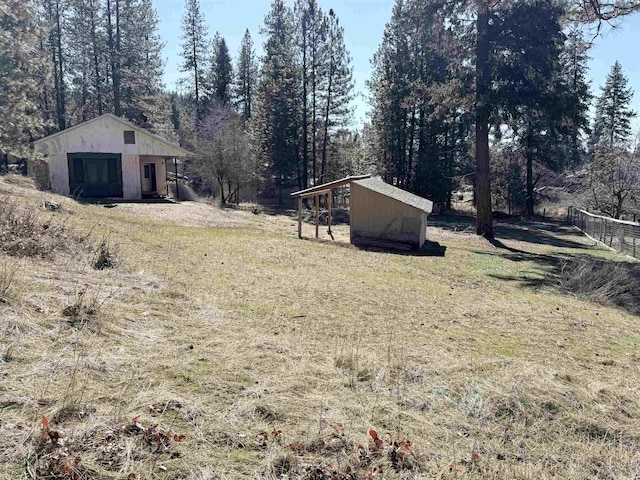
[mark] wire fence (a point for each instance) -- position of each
(620, 235)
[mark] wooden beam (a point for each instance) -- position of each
(314, 193)
(175, 166)
(329, 202)
(330, 185)
(317, 199)
(299, 217)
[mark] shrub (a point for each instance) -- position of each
(7, 275)
(82, 310)
(104, 257)
(24, 234)
(605, 281)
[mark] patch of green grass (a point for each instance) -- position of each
(631, 340)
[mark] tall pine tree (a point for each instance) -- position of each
(277, 117)
(220, 73)
(246, 76)
(612, 125)
(337, 94)
(23, 74)
(194, 53)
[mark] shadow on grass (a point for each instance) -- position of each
(608, 282)
(541, 232)
(429, 249)
(111, 202)
(538, 232)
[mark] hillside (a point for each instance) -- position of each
(221, 346)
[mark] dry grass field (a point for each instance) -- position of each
(219, 345)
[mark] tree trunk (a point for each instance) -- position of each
(117, 75)
(115, 82)
(96, 61)
(484, 220)
(62, 108)
(195, 79)
(56, 58)
(529, 202)
(411, 142)
(325, 140)
(305, 111)
(314, 153)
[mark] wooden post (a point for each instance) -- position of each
(317, 199)
(329, 202)
(299, 217)
(611, 238)
(601, 228)
(175, 166)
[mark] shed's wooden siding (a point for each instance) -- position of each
(375, 215)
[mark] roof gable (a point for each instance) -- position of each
(383, 188)
(172, 149)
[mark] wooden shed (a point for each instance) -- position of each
(109, 157)
(379, 213)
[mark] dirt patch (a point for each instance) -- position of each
(196, 214)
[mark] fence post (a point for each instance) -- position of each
(612, 232)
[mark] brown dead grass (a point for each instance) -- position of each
(274, 356)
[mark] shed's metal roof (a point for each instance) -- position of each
(383, 188)
(328, 186)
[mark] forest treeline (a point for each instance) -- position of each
(490, 94)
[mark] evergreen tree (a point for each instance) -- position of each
(220, 73)
(114, 62)
(246, 76)
(575, 98)
(114, 49)
(311, 47)
(23, 74)
(339, 85)
(194, 52)
(525, 70)
(277, 117)
(612, 125)
(419, 118)
(143, 99)
(87, 50)
(53, 13)
(483, 111)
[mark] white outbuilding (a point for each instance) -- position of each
(108, 157)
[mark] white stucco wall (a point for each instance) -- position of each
(131, 187)
(106, 135)
(59, 173)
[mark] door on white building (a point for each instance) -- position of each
(149, 178)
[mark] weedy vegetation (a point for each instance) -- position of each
(605, 281)
(221, 346)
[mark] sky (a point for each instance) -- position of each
(364, 22)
